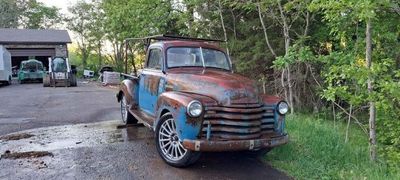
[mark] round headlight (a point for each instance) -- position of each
(283, 107)
(194, 109)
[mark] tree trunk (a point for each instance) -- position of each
(286, 34)
(99, 53)
(223, 26)
(372, 115)
(265, 30)
(348, 124)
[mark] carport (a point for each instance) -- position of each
(39, 44)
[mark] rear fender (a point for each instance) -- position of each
(176, 102)
(129, 88)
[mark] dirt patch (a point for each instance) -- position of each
(14, 137)
(29, 154)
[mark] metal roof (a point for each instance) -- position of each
(34, 36)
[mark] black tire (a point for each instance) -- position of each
(46, 81)
(9, 82)
(187, 159)
(126, 116)
(73, 82)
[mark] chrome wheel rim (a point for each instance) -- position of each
(124, 109)
(169, 142)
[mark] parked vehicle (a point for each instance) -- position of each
(104, 69)
(189, 95)
(60, 73)
(88, 73)
(5, 66)
(30, 70)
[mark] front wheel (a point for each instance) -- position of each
(127, 117)
(170, 147)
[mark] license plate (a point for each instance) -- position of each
(60, 75)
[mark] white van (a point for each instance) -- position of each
(5, 66)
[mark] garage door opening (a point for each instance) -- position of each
(16, 61)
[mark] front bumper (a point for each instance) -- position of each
(235, 145)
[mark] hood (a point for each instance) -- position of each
(225, 87)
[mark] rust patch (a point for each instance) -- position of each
(151, 84)
(194, 121)
(29, 154)
(14, 137)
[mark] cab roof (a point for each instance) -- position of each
(167, 41)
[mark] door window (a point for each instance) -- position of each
(155, 59)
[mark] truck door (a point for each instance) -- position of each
(149, 81)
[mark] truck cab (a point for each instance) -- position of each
(190, 96)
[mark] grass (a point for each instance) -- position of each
(317, 150)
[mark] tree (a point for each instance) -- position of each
(28, 14)
(82, 22)
(35, 15)
(9, 14)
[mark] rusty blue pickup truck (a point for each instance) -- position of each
(189, 95)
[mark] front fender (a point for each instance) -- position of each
(272, 102)
(176, 102)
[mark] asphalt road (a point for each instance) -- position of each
(27, 106)
(99, 148)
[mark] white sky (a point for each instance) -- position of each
(61, 4)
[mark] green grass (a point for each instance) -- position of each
(317, 150)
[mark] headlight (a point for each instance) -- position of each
(194, 109)
(282, 108)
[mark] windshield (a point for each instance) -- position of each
(32, 65)
(194, 56)
(59, 65)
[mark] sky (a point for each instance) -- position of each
(61, 4)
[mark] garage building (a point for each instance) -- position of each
(39, 44)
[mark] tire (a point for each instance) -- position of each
(126, 116)
(167, 140)
(46, 81)
(9, 82)
(73, 82)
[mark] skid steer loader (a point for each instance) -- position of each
(59, 74)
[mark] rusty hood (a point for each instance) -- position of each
(225, 87)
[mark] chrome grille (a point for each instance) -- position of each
(238, 122)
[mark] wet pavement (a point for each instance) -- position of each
(106, 151)
(27, 106)
(66, 133)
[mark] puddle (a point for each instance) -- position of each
(29, 154)
(14, 137)
(75, 136)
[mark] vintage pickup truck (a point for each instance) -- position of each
(189, 95)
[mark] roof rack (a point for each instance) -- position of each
(163, 37)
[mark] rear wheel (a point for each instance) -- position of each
(9, 81)
(46, 81)
(127, 117)
(73, 82)
(170, 147)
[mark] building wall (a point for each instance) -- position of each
(61, 50)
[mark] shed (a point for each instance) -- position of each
(39, 44)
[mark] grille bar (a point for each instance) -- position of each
(239, 121)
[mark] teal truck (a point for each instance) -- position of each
(31, 70)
